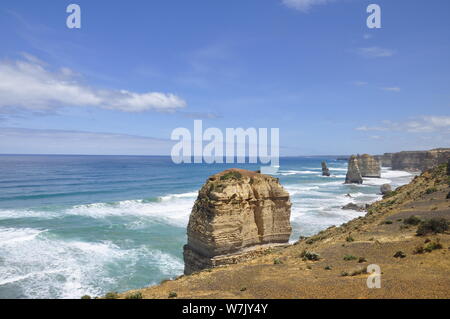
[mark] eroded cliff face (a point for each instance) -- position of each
(385, 159)
(353, 172)
(236, 213)
(419, 160)
(369, 166)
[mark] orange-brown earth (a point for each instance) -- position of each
(372, 239)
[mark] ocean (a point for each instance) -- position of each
(77, 225)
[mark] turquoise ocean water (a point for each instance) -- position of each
(76, 225)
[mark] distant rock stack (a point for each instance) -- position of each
(369, 166)
(325, 170)
(353, 172)
(237, 214)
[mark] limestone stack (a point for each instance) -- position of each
(325, 170)
(369, 166)
(237, 214)
(353, 172)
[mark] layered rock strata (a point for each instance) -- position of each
(238, 215)
(369, 166)
(420, 160)
(353, 172)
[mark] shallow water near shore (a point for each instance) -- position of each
(76, 225)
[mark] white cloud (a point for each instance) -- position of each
(29, 84)
(375, 52)
(392, 89)
(423, 124)
(360, 83)
(303, 5)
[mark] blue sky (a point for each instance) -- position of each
(138, 69)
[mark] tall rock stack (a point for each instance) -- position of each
(238, 214)
(353, 172)
(369, 166)
(325, 170)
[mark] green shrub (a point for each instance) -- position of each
(433, 246)
(349, 239)
(362, 260)
(432, 226)
(86, 297)
(231, 175)
(350, 257)
(277, 261)
(387, 222)
(399, 254)
(173, 294)
(135, 295)
(112, 295)
(419, 250)
(390, 194)
(307, 255)
(327, 268)
(358, 271)
(431, 190)
(412, 220)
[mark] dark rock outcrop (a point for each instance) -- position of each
(325, 170)
(353, 172)
(369, 166)
(236, 216)
(385, 189)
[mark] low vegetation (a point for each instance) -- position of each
(307, 255)
(350, 257)
(231, 175)
(432, 226)
(135, 295)
(173, 294)
(277, 261)
(399, 254)
(412, 220)
(112, 295)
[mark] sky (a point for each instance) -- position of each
(137, 70)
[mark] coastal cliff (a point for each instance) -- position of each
(333, 263)
(237, 214)
(419, 160)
